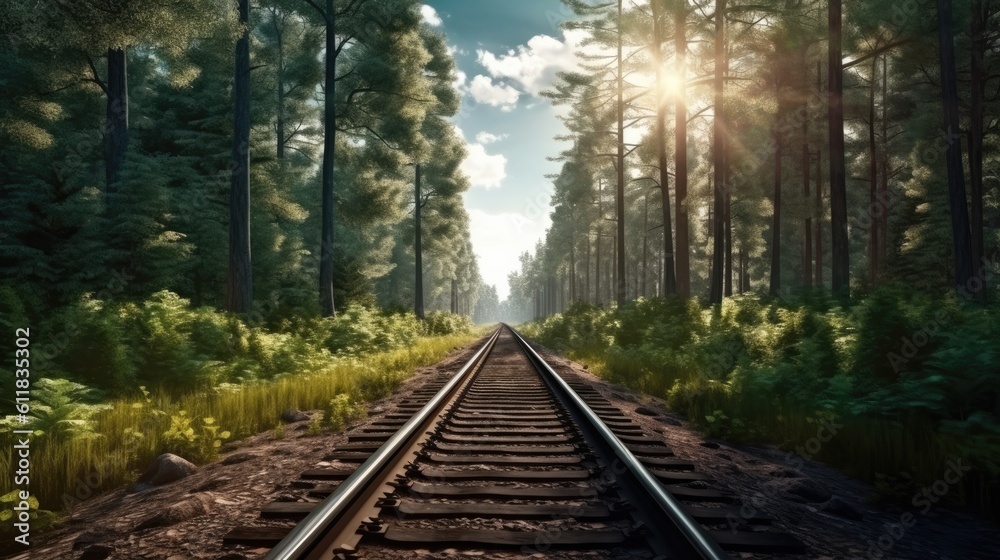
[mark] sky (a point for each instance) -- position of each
(507, 53)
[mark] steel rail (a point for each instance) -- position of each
(693, 535)
(308, 534)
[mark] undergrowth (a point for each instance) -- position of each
(890, 389)
(126, 382)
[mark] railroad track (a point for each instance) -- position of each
(509, 458)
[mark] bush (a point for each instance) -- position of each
(913, 380)
(340, 412)
(440, 323)
(98, 352)
(357, 330)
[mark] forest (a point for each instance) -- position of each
(782, 214)
(202, 199)
(774, 216)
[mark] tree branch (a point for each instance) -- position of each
(875, 53)
(96, 79)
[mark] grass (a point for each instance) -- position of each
(895, 456)
(816, 379)
(129, 433)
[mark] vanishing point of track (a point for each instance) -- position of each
(510, 458)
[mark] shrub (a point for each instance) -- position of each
(98, 352)
(198, 442)
(340, 412)
(438, 323)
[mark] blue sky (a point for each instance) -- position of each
(507, 52)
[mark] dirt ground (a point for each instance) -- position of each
(794, 492)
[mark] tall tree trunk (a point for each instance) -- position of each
(572, 269)
(620, 285)
(669, 283)
(873, 205)
(327, 307)
(239, 292)
(279, 32)
(718, 157)
(586, 278)
(418, 248)
(454, 296)
(683, 253)
(841, 260)
(727, 209)
(598, 294)
(776, 219)
(883, 229)
(645, 243)
(819, 218)
(961, 238)
(116, 140)
(978, 32)
(818, 232)
(553, 296)
(613, 286)
(807, 225)
(744, 284)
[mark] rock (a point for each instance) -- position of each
(97, 552)
(289, 416)
(165, 469)
(841, 508)
(802, 490)
(238, 458)
(211, 484)
(646, 411)
(232, 556)
(709, 444)
(195, 506)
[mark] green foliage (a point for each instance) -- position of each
(11, 507)
(193, 441)
(62, 409)
(760, 369)
(98, 352)
(340, 412)
(123, 435)
(165, 342)
(358, 330)
(437, 323)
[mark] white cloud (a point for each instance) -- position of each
(430, 15)
(489, 138)
(484, 91)
(498, 241)
(483, 169)
(534, 66)
(459, 83)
